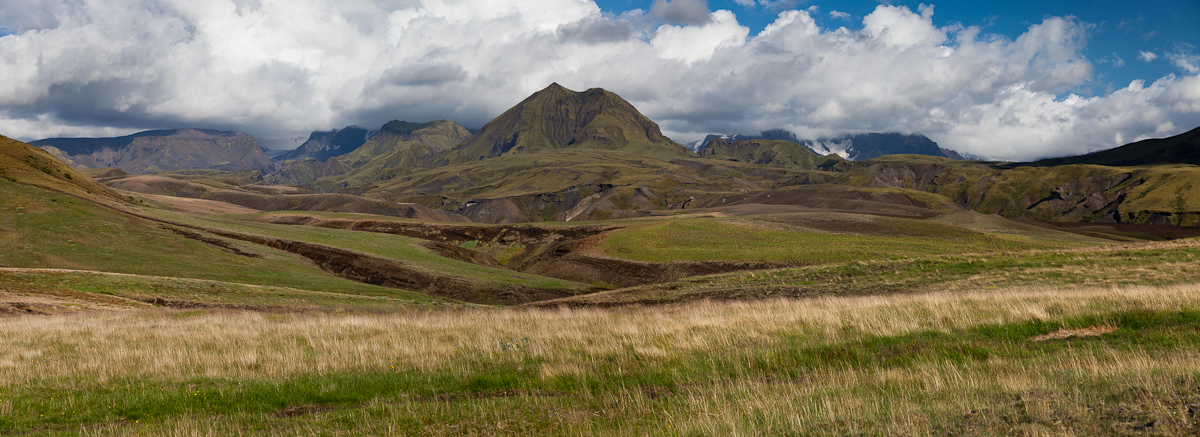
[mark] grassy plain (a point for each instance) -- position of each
(912, 364)
(813, 238)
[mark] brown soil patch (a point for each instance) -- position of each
(1061, 334)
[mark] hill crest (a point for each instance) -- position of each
(1179, 149)
(556, 118)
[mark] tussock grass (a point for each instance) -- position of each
(915, 364)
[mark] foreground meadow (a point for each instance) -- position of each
(1022, 360)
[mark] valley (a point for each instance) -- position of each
(568, 269)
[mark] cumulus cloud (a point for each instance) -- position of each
(282, 69)
(680, 11)
(839, 15)
(1147, 56)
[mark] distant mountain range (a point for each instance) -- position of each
(862, 147)
(859, 147)
(162, 150)
(590, 155)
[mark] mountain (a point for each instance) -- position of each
(408, 144)
(1180, 149)
(162, 150)
(774, 152)
(557, 118)
(861, 147)
(398, 145)
(322, 145)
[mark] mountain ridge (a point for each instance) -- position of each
(1178, 149)
(163, 150)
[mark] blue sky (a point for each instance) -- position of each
(1121, 30)
(1015, 80)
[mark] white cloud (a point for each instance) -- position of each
(694, 43)
(280, 68)
(1186, 62)
(839, 15)
(1147, 56)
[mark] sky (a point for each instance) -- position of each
(1013, 80)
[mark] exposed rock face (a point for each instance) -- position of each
(155, 151)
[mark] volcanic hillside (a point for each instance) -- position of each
(556, 118)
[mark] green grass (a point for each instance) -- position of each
(57, 231)
(712, 239)
(390, 246)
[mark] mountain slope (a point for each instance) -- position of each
(322, 145)
(556, 118)
(1180, 149)
(28, 165)
(398, 145)
(153, 151)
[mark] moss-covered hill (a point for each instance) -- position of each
(557, 118)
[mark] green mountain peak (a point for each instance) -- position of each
(558, 118)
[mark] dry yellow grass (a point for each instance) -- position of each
(108, 350)
(173, 346)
